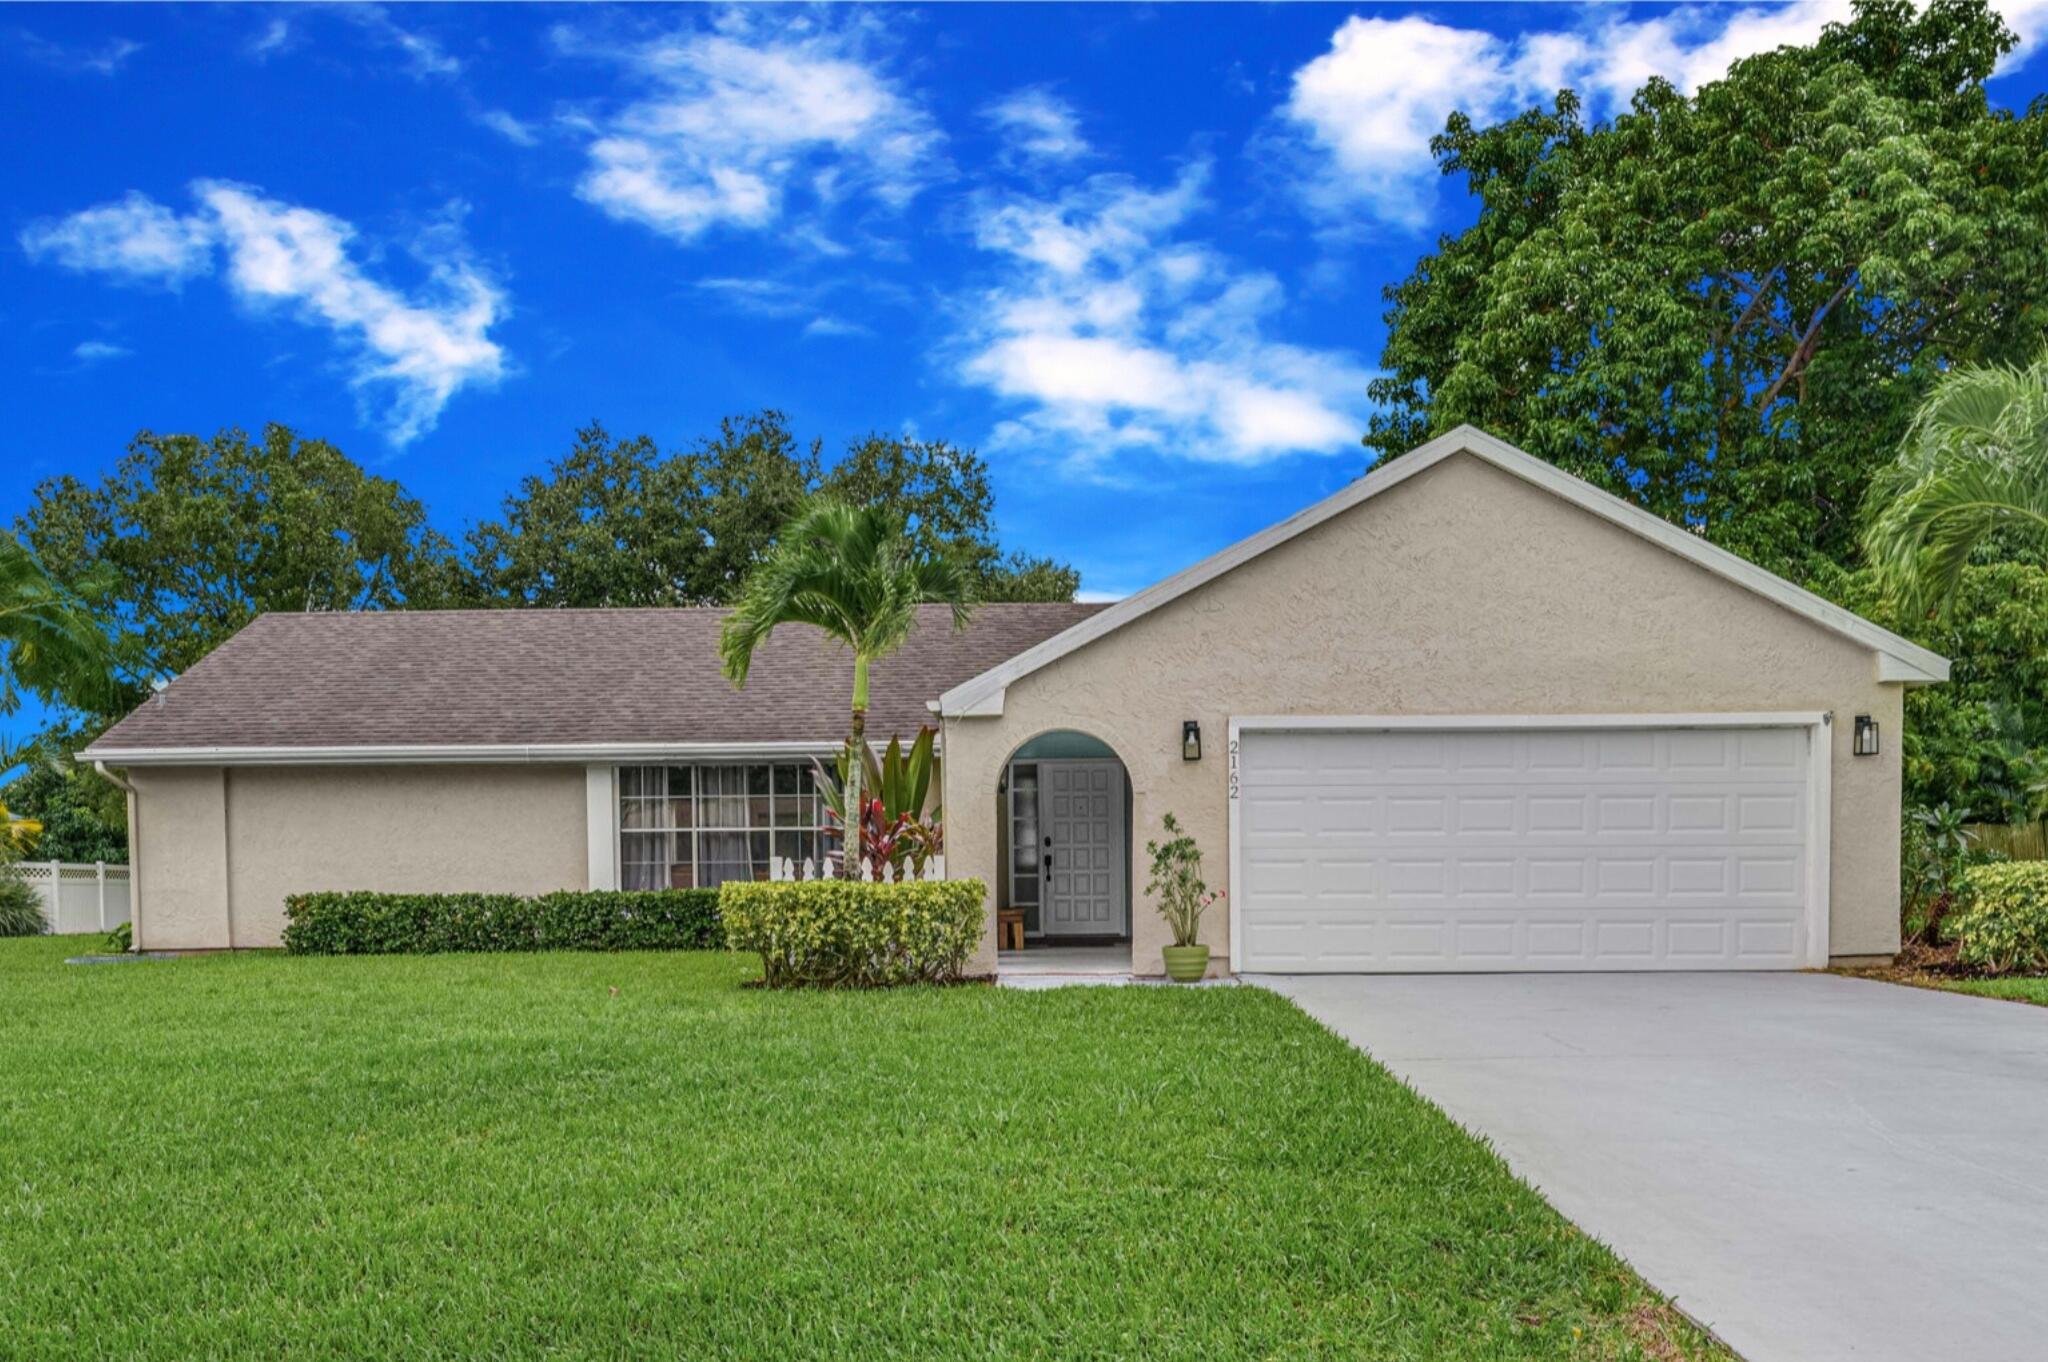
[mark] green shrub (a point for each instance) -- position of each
(850, 933)
(21, 908)
(361, 923)
(121, 939)
(2003, 925)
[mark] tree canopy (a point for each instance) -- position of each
(1726, 306)
(619, 522)
(188, 539)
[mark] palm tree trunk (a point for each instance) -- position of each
(857, 764)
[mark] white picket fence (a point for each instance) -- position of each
(780, 868)
(78, 897)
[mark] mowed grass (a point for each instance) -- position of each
(2033, 991)
(584, 1156)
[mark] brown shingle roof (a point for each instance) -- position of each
(460, 677)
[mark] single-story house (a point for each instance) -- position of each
(1469, 713)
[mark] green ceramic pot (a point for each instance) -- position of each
(1185, 964)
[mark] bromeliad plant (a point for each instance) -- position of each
(1177, 887)
(901, 824)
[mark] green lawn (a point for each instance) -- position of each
(581, 1156)
(2018, 990)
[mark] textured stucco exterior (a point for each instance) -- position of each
(1462, 590)
(218, 849)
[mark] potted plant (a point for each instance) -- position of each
(1177, 888)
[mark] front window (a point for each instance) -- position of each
(683, 827)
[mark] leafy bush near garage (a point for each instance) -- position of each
(361, 923)
(2003, 925)
(855, 934)
(21, 908)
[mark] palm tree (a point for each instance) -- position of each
(1974, 463)
(855, 574)
(49, 642)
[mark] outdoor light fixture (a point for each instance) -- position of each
(1866, 736)
(1190, 740)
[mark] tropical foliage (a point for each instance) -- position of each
(900, 820)
(21, 909)
(1725, 306)
(1972, 476)
(856, 575)
(1176, 886)
(2003, 926)
(50, 644)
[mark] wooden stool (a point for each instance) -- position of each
(1010, 929)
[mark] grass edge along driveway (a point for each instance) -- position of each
(589, 1156)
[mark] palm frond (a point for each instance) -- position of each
(1974, 462)
(851, 572)
(50, 643)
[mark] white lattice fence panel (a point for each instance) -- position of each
(78, 897)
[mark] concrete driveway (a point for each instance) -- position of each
(1814, 1167)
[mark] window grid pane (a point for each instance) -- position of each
(702, 825)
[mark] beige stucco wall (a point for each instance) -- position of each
(218, 849)
(1462, 590)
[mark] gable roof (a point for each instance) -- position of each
(1898, 659)
(522, 685)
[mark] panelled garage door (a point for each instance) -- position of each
(1525, 849)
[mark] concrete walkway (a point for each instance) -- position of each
(1816, 1168)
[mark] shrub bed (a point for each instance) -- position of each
(2003, 925)
(361, 923)
(852, 934)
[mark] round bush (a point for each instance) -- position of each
(2003, 927)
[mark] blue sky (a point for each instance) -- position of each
(1132, 254)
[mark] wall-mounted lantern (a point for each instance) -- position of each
(1190, 740)
(1866, 736)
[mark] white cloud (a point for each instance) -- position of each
(424, 55)
(1038, 124)
(741, 117)
(105, 60)
(1368, 106)
(514, 130)
(134, 238)
(420, 350)
(1110, 332)
(92, 351)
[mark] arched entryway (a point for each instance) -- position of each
(1063, 819)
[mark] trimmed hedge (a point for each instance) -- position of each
(361, 923)
(2003, 925)
(853, 934)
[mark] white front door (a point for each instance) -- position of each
(1578, 849)
(1081, 822)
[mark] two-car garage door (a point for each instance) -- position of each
(1471, 848)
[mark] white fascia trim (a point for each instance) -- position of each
(500, 754)
(1899, 659)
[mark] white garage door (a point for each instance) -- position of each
(1570, 849)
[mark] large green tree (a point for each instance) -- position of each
(188, 539)
(619, 522)
(1725, 306)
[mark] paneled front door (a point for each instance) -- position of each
(1081, 822)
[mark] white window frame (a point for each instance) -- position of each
(819, 827)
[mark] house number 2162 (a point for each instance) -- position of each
(1233, 769)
